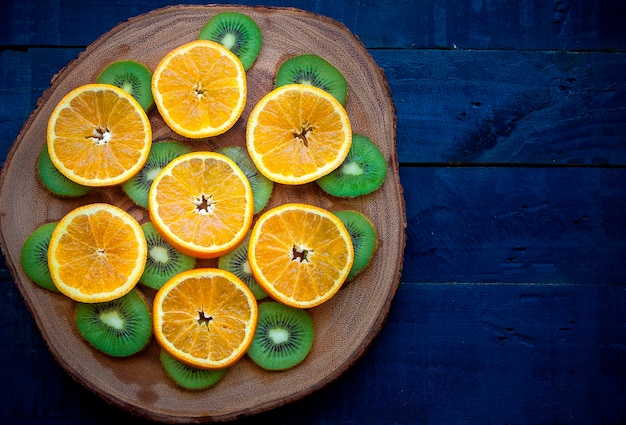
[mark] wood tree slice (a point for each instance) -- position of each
(344, 326)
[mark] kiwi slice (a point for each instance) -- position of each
(161, 153)
(283, 337)
(163, 261)
(119, 328)
(54, 180)
(188, 377)
(315, 71)
(237, 32)
(236, 262)
(132, 77)
(261, 186)
(362, 172)
(364, 238)
(34, 256)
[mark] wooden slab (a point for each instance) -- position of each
(345, 325)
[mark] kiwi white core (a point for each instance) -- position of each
(278, 336)
(113, 319)
(159, 254)
(352, 169)
(151, 174)
(229, 41)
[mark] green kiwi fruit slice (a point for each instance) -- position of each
(261, 186)
(188, 377)
(54, 180)
(119, 328)
(362, 172)
(237, 32)
(364, 239)
(313, 70)
(161, 153)
(163, 261)
(34, 256)
(283, 337)
(236, 262)
(132, 77)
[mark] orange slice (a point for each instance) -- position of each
(97, 253)
(200, 89)
(205, 318)
(298, 133)
(300, 254)
(99, 135)
(202, 204)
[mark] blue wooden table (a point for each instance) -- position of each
(511, 137)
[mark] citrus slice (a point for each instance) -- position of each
(205, 317)
(300, 254)
(97, 253)
(202, 204)
(99, 135)
(298, 133)
(199, 89)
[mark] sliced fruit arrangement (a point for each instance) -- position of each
(132, 77)
(300, 254)
(97, 253)
(98, 135)
(188, 377)
(34, 256)
(163, 261)
(364, 239)
(120, 327)
(205, 318)
(362, 172)
(236, 262)
(200, 89)
(261, 186)
(298, 133)
(202, 205)
(161, 154)
(283, 338)
(237, 32)
(315, 71)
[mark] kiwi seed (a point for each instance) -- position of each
(34, 256)
(189, 377)
(362, 172)
(54, 181)
(261, 186)
(132, 77)
(236, 262)
(237, 32)
(163, 261)
(315, 71)
(364, 239)
(119, 328)
(161, 153)
(283, 337)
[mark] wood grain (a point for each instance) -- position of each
(345, 325)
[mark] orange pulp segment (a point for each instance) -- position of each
(298, 133)
(199, 89)
(99, 135)
(300, 254)
(202, 204)
(205, 317)
(97, 253)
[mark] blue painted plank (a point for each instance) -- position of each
(515, 224)
(508, 106)
(523, 354)
(452, 106)
(523, 25)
